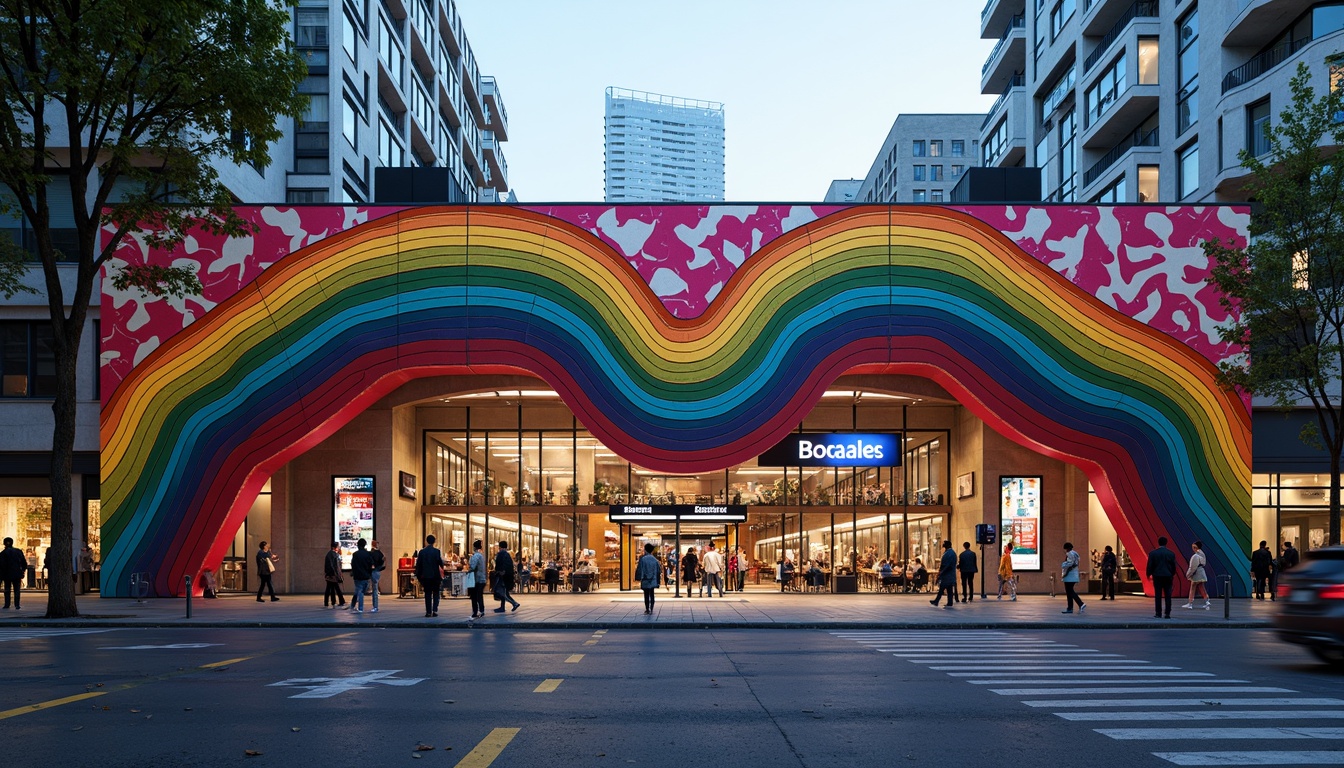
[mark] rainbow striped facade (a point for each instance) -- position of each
(195, 428)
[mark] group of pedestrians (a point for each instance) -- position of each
(951, 565)
(429, 570)
(366, 568)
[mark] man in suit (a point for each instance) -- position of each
(13, 566)
(947, 576)
(266, 560)
(1262, 567)
(504, 577)
(966, 566)
(1162, 569)
(429, 570)
(379, 563)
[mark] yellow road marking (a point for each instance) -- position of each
(548, 685)
(575, 659)
(485, 753)
(225, 662)
(600, 632)
(49, 704)
(590, 642)
(325, 639)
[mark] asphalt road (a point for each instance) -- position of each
(161, 697)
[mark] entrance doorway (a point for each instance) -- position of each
(670, 542)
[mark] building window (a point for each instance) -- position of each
(1148, 62)
(390, 153)
(1187, 165)
(957, 170)
(917, 149)
(1257, 128)
(306, 196)
(349, 38)
(1147, 183)
(936, 196)
(935, 173)
(1114, 193)
(958, 147)
(1187, 71)
(1068, 157)
(1060, 15)
(27, 359)
(310, 28)
(920, 196)
(1103, 93)
(995, 144)
(350, 122)
(919, 173)
(936, 148)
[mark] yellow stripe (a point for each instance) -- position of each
(575, 659)
(485, 753)
(224, 663)
(325, 639)
(590, 642)
(600, 632)
(549, 684)
(48, 704)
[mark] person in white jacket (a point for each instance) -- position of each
(1198, 575)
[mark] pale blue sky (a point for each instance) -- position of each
(809, 88)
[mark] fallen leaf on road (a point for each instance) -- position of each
(186, 709)
(77, 728)
(97, 685)
(135, 711)
(423, 748)
(295, 730)
(252, 752)
(416, 755)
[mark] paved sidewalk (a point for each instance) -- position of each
(612, 609)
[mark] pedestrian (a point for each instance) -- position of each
(1069, 575)
(13, 566)
(713, 565)
(1006, 578)
(1109, 565)
(503, 577)
(361, 572)
(1262, 568)
(670, 574)
(379, 565)
(1290, 556)
(209, 585)
(429, 571)
(86, 579)
(743, 564)
(266, 560)
(648, 572)
(690, 565)
(733, 565)
(331, 571)
(947, 576)
(967, 567)
(1198, 575)
(476, 578)
(1161, 569)
(32, 568)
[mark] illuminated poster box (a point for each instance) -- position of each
(1020, 519)
(352, 513)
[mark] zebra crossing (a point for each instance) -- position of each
(1196, 706)
(8, 634)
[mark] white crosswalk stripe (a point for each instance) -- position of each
(8, 634)
(1108, 688)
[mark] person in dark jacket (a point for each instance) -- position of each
(648, 573)
(13, 567)
(947, 576)
(690, 568)
(379, 564)
(266, 560)
(1262, 568)
(1162, 569)
(361, 571)
(1109, 566)
(429, 571)
(966, 566)
(504, 577)
(331, 571)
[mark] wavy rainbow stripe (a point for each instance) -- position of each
(194, 431)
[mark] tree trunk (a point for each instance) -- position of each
(61, 590)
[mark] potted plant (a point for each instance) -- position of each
(572, 494)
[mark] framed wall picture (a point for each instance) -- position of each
(406, 485)
(966, 485)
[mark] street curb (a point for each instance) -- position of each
(656, 625)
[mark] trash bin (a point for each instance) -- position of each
(847, 584)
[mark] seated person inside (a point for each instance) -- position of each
(815, 576)
(786, 571)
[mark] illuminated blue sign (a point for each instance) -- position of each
(835, 449)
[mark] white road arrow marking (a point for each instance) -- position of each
(326, 687)
(172, 646)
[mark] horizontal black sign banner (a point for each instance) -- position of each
(634, 513)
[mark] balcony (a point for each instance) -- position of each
(494, 107)
(1136, 139)
(1263, 63)
(1144, 9)
(497, 170)
(1119, 116)
(992, 115)
(1008, 57)
(1259, 21)
(1003, 142)
(996, 14)
(1100, 15)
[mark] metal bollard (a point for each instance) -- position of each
(188, 580)
(1052, 585)
(1227, 595)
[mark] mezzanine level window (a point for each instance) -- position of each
(27, 359)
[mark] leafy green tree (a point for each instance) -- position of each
(132, 102)
(1287, 284)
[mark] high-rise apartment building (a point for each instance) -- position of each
(922, 159)
(1124, 101)
(662, 148)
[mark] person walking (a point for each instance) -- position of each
(86, 579)
(690, 567)
(13, 566)
(647, 573)
(476, 572)
(1069, 575)
(1198, 575)
(947, 576)
(266, 560)
(361, 572)
(733, 563)
(429, 572)
(1161, 569)
(379, 564)
(331, 571)
(504, 577)
(743, 564)
(1109, 565)
(713, 565)
(1006, 578)
(1262, 568)
(967, 567)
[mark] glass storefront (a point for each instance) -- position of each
(1290, 507)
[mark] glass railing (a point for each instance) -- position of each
(1016, 81)
(1262, 63)
(1135, 139)
(1139, 10)
(1017, 22)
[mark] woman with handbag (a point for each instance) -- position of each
(1198, 576)
(476, 580)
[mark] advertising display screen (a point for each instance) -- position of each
(352, 513)
(1020, 519)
